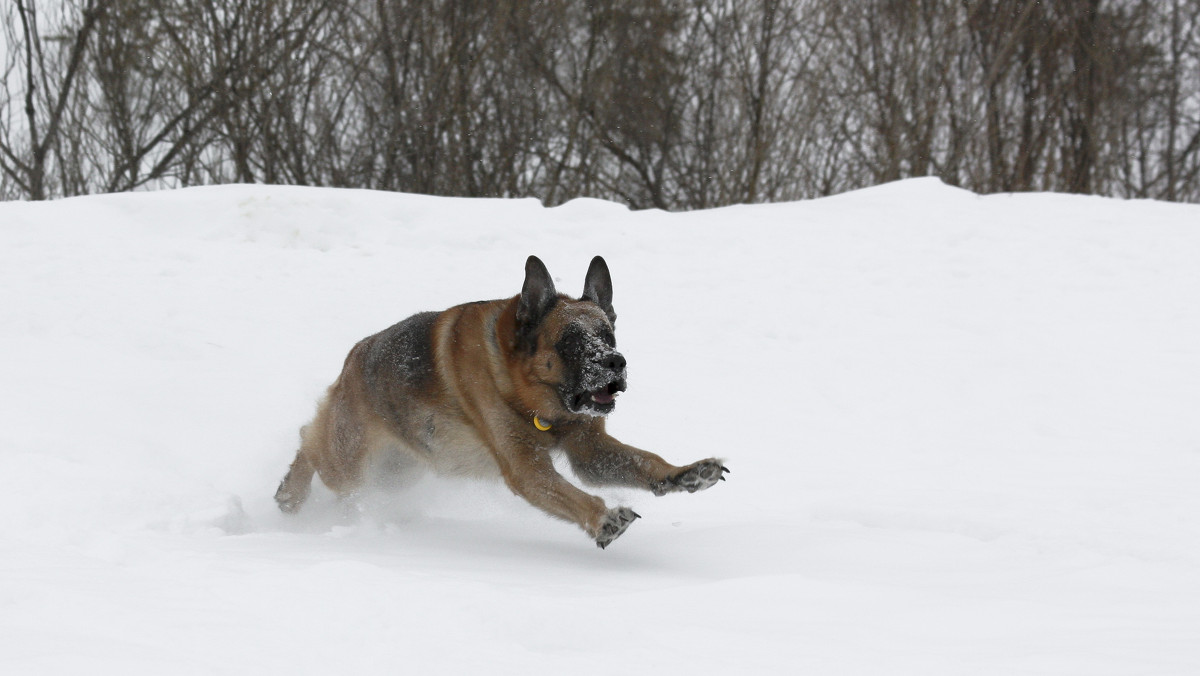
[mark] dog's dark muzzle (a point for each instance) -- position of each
(608, 378)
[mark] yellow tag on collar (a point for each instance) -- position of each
(539, 424)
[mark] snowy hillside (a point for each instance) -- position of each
(963, 433)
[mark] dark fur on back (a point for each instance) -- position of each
(403, 351)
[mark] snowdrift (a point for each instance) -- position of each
(962, 430)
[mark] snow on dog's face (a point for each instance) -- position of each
(572, 343)
(594, 372)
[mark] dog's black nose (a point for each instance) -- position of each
(614, 361)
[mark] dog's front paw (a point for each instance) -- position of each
(616, 520)
(694, 477)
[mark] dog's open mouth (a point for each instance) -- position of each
(600, 400)
(606, 394)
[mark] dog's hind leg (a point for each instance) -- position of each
(294, 488)
(333, 446)
(297, 483)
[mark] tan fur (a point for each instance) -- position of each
(471, 413)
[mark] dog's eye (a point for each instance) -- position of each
(608, 338)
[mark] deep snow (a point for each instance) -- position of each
(962, 430)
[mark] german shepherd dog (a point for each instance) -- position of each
(493, 387)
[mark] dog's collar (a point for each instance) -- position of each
(542, 426)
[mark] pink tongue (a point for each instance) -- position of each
(602, 396)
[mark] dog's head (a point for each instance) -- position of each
(570, 345)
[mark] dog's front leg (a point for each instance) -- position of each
(530, 474)
(600, 460)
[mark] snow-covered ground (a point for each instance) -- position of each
(963, 433)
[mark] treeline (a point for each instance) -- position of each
(657, 103)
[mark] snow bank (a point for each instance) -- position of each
(962, 432)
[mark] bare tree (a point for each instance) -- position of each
(46, 77)
(662, 103)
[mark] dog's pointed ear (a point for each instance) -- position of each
(597, 287)
(538, 297)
